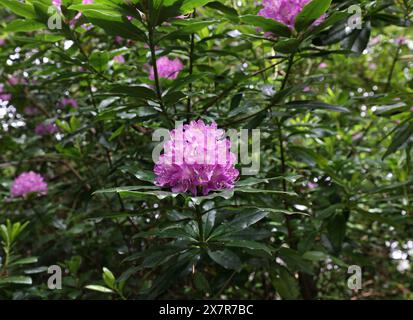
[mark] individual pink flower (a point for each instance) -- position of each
(322, 65)
(79, 14)
(168, 69)
(2, 42)
(375, 40)
(28, 182)
(46, 128)
(4, 96)
(65, 102)
(120, 59)
(401, 40)
(307, 89)
(57, 3)
(14, 80)
(197, 158)
(285, 11)
(411, 109)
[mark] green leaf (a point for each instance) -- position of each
(287, 45)
(226, 259)
(24, 26)
(99, 60)
(311, 12)
(19, 8)
(16, 280)
(267, 25)
(111, 21)
(251, 245)
(99, 288)
(311, 105)
(201, 283)
(108, 277)
(242, 221)
(402, 135)
(284, 283)
(358, 40)
(189, 5)
(144, 175)
(140, 92)
(315, 255)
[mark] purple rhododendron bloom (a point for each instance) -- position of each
(168, 69)
(46, 128)
(28, 182)
(3, 95)
(285, 11)
(197, 158)
(68, 102)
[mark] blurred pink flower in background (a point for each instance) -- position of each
(28, 182)
(323, 65)
(285, 11)
(372, 66)
(168, 69)
(307, 89)
(120, 59)
(68, 102)
(375, 40)
(46, 128)
(2, 42)
(3, 95)
(401, 40)
(198, 159)
(31, 111)
(312, 185)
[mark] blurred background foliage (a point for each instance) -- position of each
(336, 119)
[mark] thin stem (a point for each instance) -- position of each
(200, 224)
(393, 66)
(191, 68)
(155, 72)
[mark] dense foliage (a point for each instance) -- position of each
(84, 85)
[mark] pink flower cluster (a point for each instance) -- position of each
(284, 11)
(197, 158)
(3, 95)
(28, 182)
(65, 102)
(46, 128)
(168, 69)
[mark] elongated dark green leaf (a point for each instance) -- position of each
(226, 258)
(311, 12)
(267, 25)
(311, 105)
(402, 135)
(24, 26)
(251, 245)
(16, 280)
(19, 8)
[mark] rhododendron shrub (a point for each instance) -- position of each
(206, 149)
